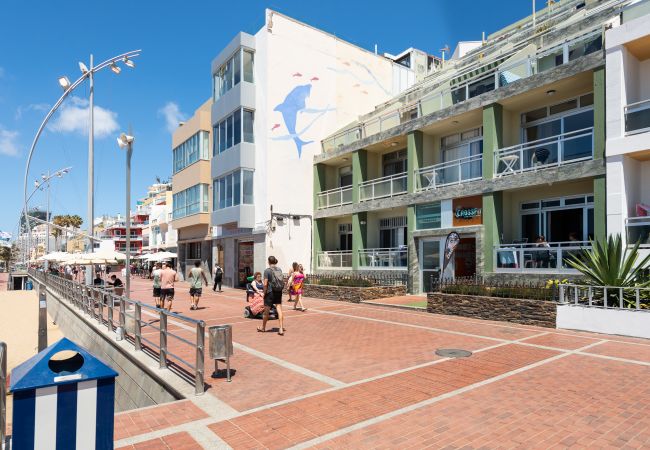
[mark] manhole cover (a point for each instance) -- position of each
(453, 353)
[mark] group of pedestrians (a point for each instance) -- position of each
(164, 277)
(271, 285)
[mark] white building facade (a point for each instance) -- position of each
(276, 95)
(628, 125)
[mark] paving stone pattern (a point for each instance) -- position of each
(350, 375)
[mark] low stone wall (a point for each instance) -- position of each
(527, 312)
(352, 294)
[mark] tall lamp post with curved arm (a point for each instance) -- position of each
(87, 73)
(44, 183)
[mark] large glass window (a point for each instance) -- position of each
(570, 119)
(190, 201)
(428, 216)
(190, 151)
(230, 73)
(229, 131)
(229, 190)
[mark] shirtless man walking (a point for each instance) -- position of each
(168, 277)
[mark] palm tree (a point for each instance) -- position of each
(609, 264)
(5, 255)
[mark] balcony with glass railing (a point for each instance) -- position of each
(552, 257)
(340, 259)
(449, 173)
(389, 186)
(637, 117)
(565, 148)
(466, 84)
(383, 258)
(335, 197)
(638, 230)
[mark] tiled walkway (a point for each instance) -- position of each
(365, 376)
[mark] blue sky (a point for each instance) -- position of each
(41, 40)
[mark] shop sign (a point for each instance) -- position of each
(468, 211)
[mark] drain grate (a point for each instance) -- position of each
(453, 353)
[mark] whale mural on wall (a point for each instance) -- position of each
(295, 103)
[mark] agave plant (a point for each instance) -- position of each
(609, 264)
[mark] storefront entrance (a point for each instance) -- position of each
(430, 258)
(465, 258)
(244, 262)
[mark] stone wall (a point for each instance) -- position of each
(138, 385)
(352, 294)
(527, 312)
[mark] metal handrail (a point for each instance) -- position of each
(621, 297)
(645, 102)
(373, 183)
(93, 300)
(534, 258)
(331, 256)
(3, 393)
(445, 166)
(392, 253)
(340, 191)
(559, 140)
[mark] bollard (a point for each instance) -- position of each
(63, 398)
(42, 317)
(221, 347)
(163, 339)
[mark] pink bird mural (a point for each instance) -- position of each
(356, 85)
(314, 79)
(297, 74)
(364, 92)
(276, 125)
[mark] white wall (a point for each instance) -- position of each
(609, 321)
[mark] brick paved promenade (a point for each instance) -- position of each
(366, 376)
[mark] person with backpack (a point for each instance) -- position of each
(218, 277)
(273, 286)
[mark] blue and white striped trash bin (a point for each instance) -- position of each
(63, 398)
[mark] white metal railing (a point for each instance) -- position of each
(383, 187)
(340, 259)
(637, 117)
(102, 304)
(537, 258)
(635, 10)
(491, 79)
(638, 230)
(565, 148)
(335, 197)
(383, 258)
(610, 297)
(450, 172)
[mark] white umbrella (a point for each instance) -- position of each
(161, 256)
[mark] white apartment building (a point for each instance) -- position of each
(628, 125)
(276, 95)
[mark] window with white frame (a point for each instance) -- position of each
(191, 150)
(466, 146)
(190, 201)
(232, 130)
(392, 232)
(345, 236)
(233, 189)
(573, 119)
(562, 219)
(230, 73)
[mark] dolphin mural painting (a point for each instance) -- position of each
(294, 103)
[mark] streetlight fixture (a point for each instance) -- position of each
(87, 72)
(43, 184)
(125, 141)
(116, 69)
(64, 82)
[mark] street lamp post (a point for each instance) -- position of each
(126, 141)
(45, 183)
(68, 87)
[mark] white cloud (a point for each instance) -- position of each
(73, 118)
(172, 114)
(32, 107)
(8, 144)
